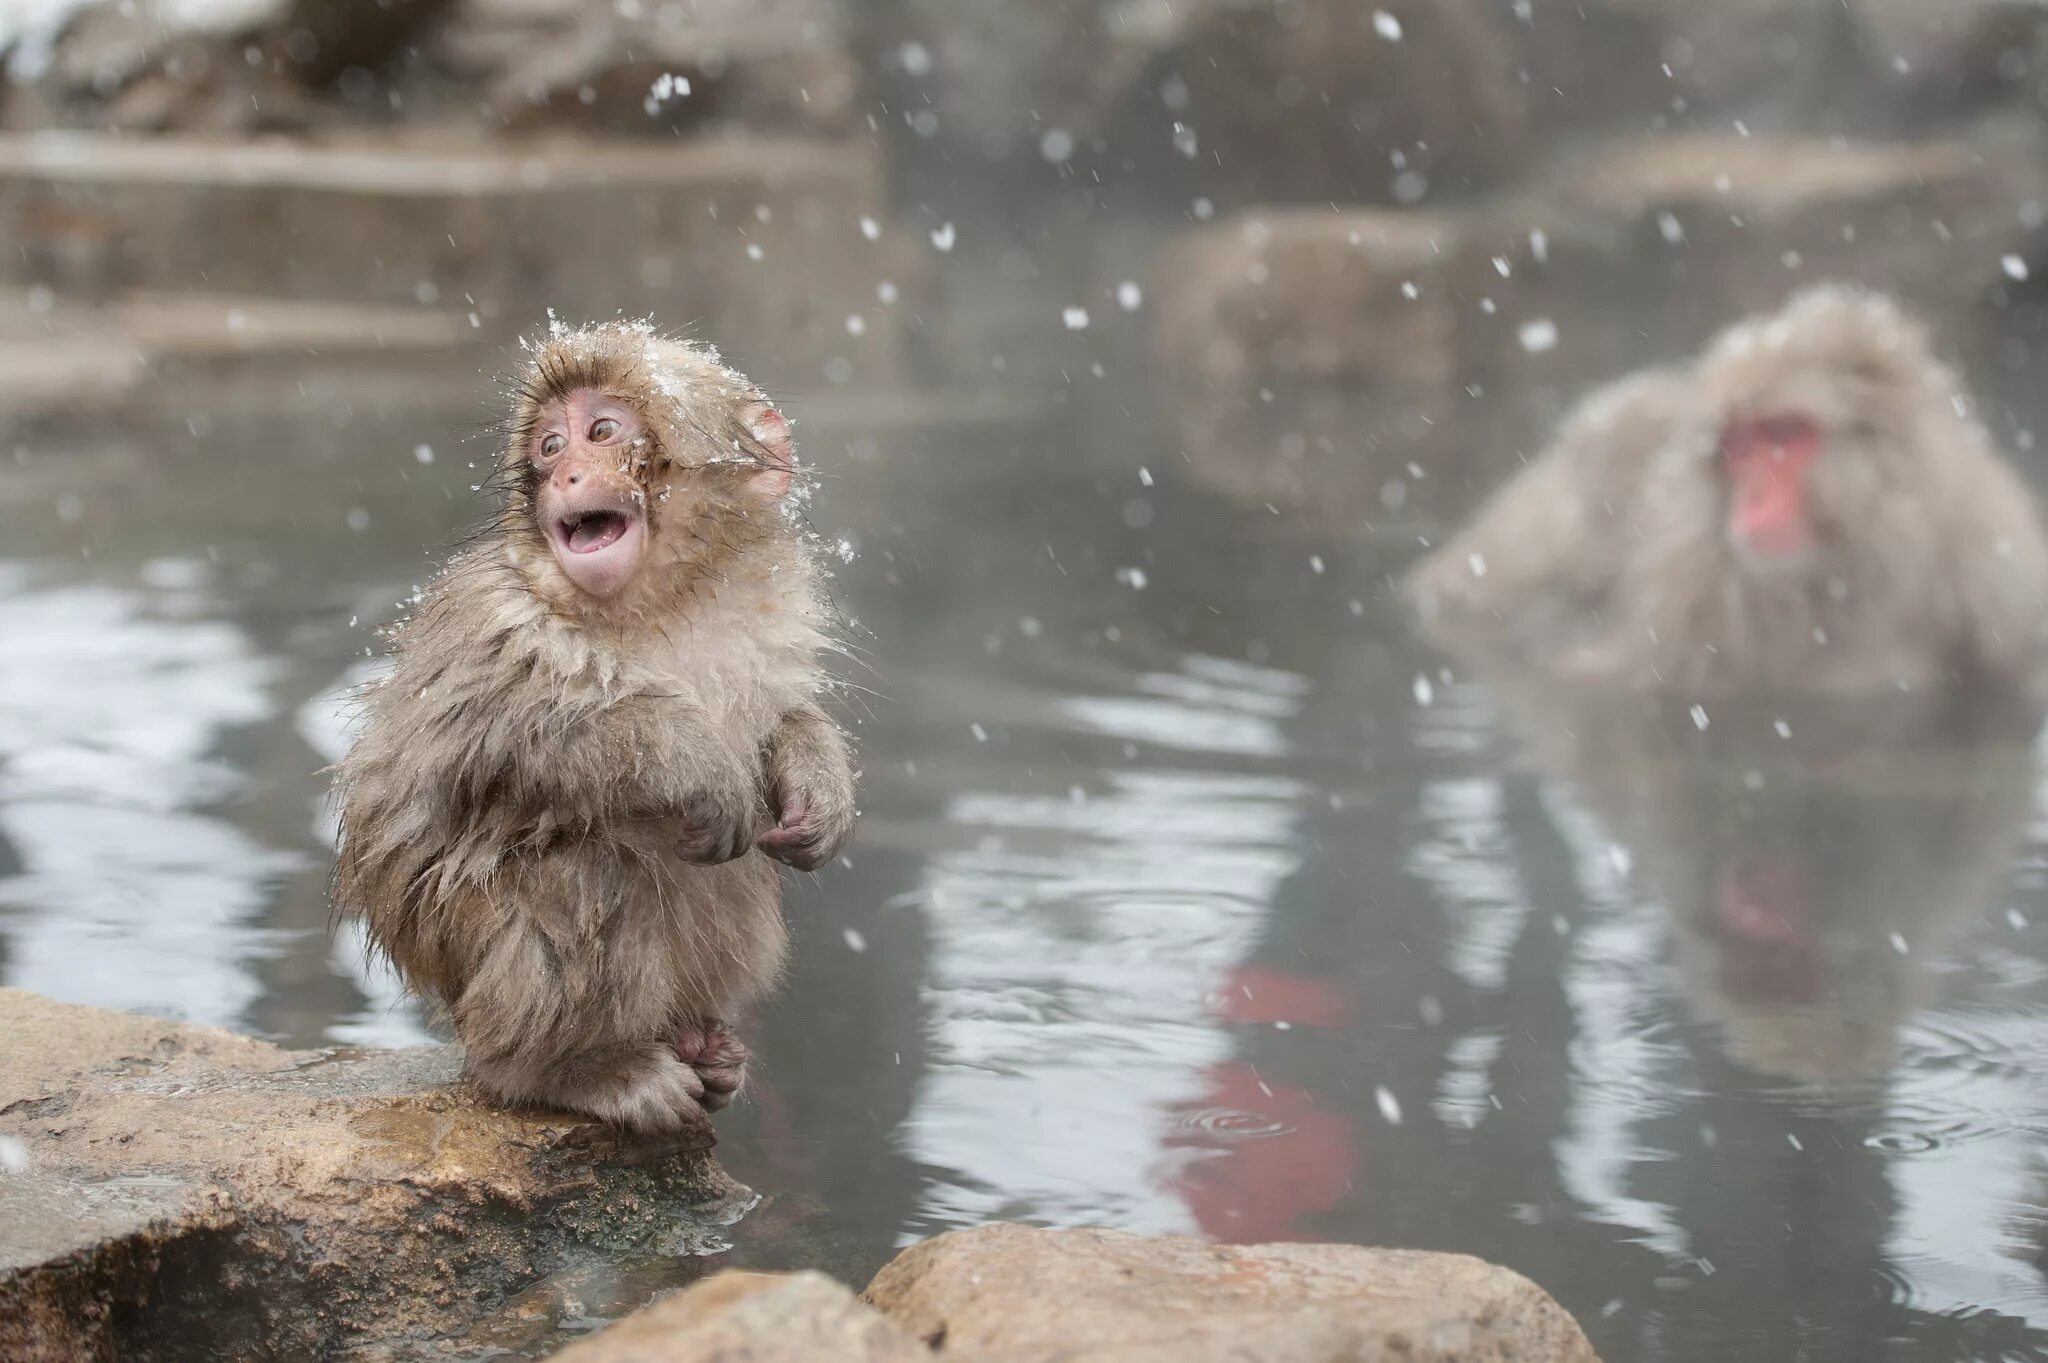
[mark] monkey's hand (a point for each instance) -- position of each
(810, 774)
(807, 836)
(717, 829)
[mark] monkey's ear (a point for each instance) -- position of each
(771, 428)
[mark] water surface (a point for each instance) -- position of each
(1190, 897)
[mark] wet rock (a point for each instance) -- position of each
(181, 1192)
(1314, 356)
(1308, 353)
(1320, 100)
(1012, 1293)
(630, 70)
(753, 1318)
(1741, 219)
(82, 364)
(757, 243)
(1961, 56)
(1636, 66)
(153, 66)
(1301, 101)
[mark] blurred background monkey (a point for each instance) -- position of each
(1809, 506)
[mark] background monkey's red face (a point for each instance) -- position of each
(1769, 461)
(589, 502)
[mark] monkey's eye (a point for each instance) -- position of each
(551, 445)
(604, 428)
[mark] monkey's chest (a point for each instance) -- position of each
(742, 686)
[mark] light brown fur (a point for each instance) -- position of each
(1607, 559)
(538, 817)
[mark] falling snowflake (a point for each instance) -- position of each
(1538, 335)
(666, 87)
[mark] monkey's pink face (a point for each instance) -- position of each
(1769, 463)
(588, 502)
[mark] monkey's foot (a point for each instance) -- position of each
(719, 1058)
(644, 1088)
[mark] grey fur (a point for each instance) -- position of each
(1607, 559)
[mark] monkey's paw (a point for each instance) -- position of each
(660, 1098)
(714, 831)
(719, 1058)
(805, 838)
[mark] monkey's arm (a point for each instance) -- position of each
(1547, 547)
(810, 784)
(2004, 586)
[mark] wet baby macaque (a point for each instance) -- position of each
(602, 729)
(1807, 506)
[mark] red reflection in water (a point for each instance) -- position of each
(1770, 949)
(1273, 1157)
(1255, 993)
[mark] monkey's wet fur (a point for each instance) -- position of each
(1809, 505)
(603, 727)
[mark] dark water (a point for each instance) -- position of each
(1190, 896)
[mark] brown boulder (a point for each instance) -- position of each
(1319, 360)
(1953, 57)
(1307, 101)
(761, 244)
(781, 66)
(1320, 100)
(1309, 354)
(153, 67)
(1011, 1294)
(181, 1192)
(752, 1318)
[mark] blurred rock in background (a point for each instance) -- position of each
(1353, 226)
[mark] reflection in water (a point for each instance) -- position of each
(1073, 949)
(1811, 871)
(112, 699)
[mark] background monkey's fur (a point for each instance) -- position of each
(550, 821)
(1606, 559)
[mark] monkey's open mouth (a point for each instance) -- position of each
(586, 532)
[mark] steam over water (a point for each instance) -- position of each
(1191, 896)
